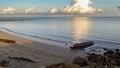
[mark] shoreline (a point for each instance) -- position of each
(36, 38)
(41, 54)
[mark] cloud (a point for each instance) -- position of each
(12, 10)
(30, 10)
(9, 10)
(118, 10)
(77, 7)
(54, 10)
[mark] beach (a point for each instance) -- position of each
(27, 53)
(32, 44)
(59, 34)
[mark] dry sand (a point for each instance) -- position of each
(41, 54)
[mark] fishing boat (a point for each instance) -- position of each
(81, 45)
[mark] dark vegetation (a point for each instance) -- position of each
(8, 41)
(110, 59)
(3, 64)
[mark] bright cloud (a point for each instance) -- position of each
(9, 10)
(54, 10)
(12, 10)
(30, 10)
(77, 7)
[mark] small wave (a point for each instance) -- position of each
(101, 41)
(62, 37)
(29, 35)
(94, 39)
(110, 42)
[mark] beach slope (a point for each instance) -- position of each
(26, 53)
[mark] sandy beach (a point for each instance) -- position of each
(26, 53)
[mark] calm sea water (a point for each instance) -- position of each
(59, 31)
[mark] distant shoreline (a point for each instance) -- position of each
(30, 18)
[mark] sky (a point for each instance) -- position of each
(98, 7)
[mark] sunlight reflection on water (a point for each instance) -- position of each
(103, 31)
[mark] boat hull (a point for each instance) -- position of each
(81, 47)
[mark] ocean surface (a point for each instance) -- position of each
(61, 31)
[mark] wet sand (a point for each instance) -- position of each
(20, 54)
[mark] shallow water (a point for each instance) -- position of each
(60, 31)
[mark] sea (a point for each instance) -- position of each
(62, 31)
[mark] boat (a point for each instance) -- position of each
(81, 45)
